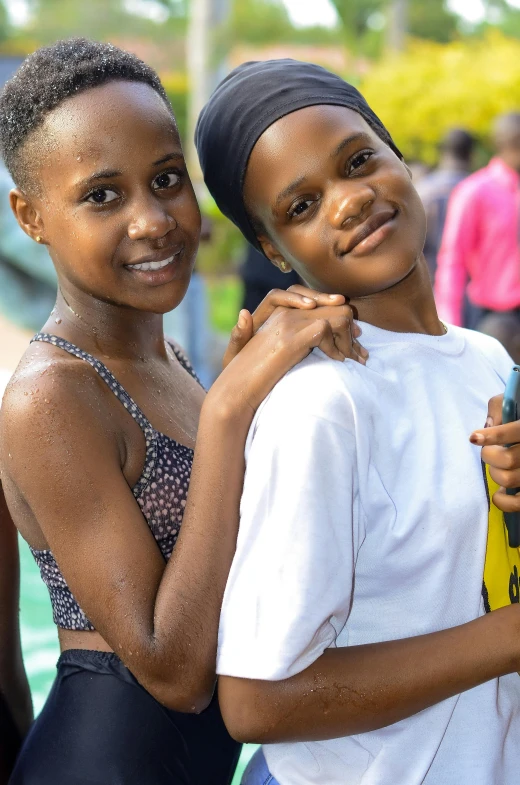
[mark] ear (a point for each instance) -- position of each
(27, 215)
(273, 254)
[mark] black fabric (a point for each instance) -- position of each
(100, 727)
(10, 741)
(250, 99)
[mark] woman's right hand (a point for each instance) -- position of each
(287, 336)
(316, 305)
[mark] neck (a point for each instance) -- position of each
(103, 328)
(509, 160)
(453, 164)
(407, 307)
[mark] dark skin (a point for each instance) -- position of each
(14, 688)
(506, 137)
(316, 200)
(110, 190)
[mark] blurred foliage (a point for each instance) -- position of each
(103, 20)
(227, 248)
(225, 299)
(267, 21)
(5, 29)
(176, 86)
(431, 87)
(363, 22)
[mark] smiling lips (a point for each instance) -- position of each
(152, 265)
(371, 233)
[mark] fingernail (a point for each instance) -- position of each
(476, 438)
(241, 320)
(333, 296)
(307, 300)
(364, 352)
(489, 422)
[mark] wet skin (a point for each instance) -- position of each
(108, 191)
(113, 191)
(340, 208)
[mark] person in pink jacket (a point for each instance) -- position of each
(481, 244)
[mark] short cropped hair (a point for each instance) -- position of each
(51, 75)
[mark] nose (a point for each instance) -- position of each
(349, 203)
(151, 220)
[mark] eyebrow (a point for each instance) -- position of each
(361, 137)
(108, 174)
(289, 190)
(296, 184)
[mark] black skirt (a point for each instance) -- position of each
(100, 727)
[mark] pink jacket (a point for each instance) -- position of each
(481, 241)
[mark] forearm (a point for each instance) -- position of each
(356, 689)
(189, 599)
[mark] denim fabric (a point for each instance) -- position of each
(257, 772)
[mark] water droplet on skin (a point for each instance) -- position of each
(79, 159)
(58, 320)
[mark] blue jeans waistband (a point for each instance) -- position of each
(257, 772)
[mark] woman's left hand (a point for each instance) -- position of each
(503, 461)
(318, 305)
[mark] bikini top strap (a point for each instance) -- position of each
(183, 359)
(107, 376)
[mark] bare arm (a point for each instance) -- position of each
(161, 622)
(13, 680)
(361, 688)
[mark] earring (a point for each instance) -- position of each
(283, 266)
(38, 238)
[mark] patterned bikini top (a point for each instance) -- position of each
(160, 491)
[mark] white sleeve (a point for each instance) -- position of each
(290, 586)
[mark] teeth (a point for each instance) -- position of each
(151, 265)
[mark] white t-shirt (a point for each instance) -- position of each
(364, 518)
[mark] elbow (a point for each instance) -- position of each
(248, 719)
(188, 696)
(243, 726)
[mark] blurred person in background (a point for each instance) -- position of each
(259, 276)
(481, 243)
(435, 188)
(16, 712)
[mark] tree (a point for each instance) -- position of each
(98, 19)
(431, 20)
(432, 87)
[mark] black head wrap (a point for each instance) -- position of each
(250, 99)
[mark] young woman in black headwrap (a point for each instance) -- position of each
(99, 427)
(356, 638)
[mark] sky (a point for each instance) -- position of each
(302, 12)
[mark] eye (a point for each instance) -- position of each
(102, 196)
(359, 160)
(166, 180)
(299, 208)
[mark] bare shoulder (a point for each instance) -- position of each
(47, 388)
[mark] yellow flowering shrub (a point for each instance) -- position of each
(432, 87)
